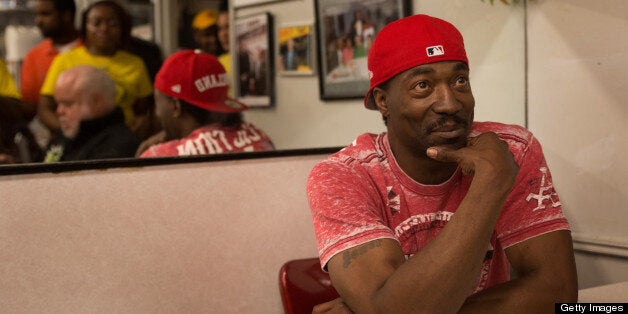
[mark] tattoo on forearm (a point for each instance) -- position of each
(348, 255)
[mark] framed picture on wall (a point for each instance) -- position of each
(253, 70)
(294, 51)
(346, 29)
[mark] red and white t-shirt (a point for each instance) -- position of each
(214, 139)
(360, 194)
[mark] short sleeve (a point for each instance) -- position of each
(145, 87)
(533, 207)
(345, 209)
(56, 67)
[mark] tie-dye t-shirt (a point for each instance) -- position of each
(361, 194)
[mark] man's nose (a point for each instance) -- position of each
(446, 101)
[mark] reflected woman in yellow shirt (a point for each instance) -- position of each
(105, 31)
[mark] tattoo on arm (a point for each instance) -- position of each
(348, 255)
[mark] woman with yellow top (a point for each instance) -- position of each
(105, 31)
(7, 84)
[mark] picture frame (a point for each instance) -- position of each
(345, 30)
(295, 55)
(254, 64)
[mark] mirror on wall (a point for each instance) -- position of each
(494, 36)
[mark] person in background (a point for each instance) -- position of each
(359, 51)
(55, 20)
(8, 88)
(197, 116)
(223, 37)
(149, 52)
(347, 53)
(431, 215)
(289, 56)
(205, 30)
(16, 141)
(105, 31)
(92, 126)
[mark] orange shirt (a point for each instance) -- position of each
(34, 68)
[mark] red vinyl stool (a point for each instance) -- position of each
(303, 285)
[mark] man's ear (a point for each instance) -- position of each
(380, 99)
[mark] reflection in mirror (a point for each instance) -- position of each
(300, 119)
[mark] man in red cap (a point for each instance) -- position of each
(197, 116)
(431, 215)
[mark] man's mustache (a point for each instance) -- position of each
(443, 121)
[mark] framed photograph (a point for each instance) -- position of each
(253, 70)
(294, 51)
(346, 29)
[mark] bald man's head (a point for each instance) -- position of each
(83, 93)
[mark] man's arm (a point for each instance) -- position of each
(375, 277)
(546, 274)
(46, 112)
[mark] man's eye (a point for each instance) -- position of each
(421, 85)
(462, 80)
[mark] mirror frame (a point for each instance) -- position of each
(100, 164)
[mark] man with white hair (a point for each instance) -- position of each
(92, 126)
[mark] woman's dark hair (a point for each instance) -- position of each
(204, 117)
(120, 13)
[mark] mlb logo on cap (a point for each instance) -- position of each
(435, 51)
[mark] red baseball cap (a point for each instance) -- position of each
(199, 79)
(410, 42)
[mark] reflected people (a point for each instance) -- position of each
(55, 20)
(17, 144)
(196, 114)
(105, 31)
(92, 126)
(205, 29)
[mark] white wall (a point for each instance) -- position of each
(495, 44)
(577, 52)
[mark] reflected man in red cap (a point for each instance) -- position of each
(431, 215)
(197, 116)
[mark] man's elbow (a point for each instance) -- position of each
(565, 290)
(567, 293)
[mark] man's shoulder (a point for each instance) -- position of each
(116, 138)
(43, 47)
(125, 57)
(73, 56)
(366, 148)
